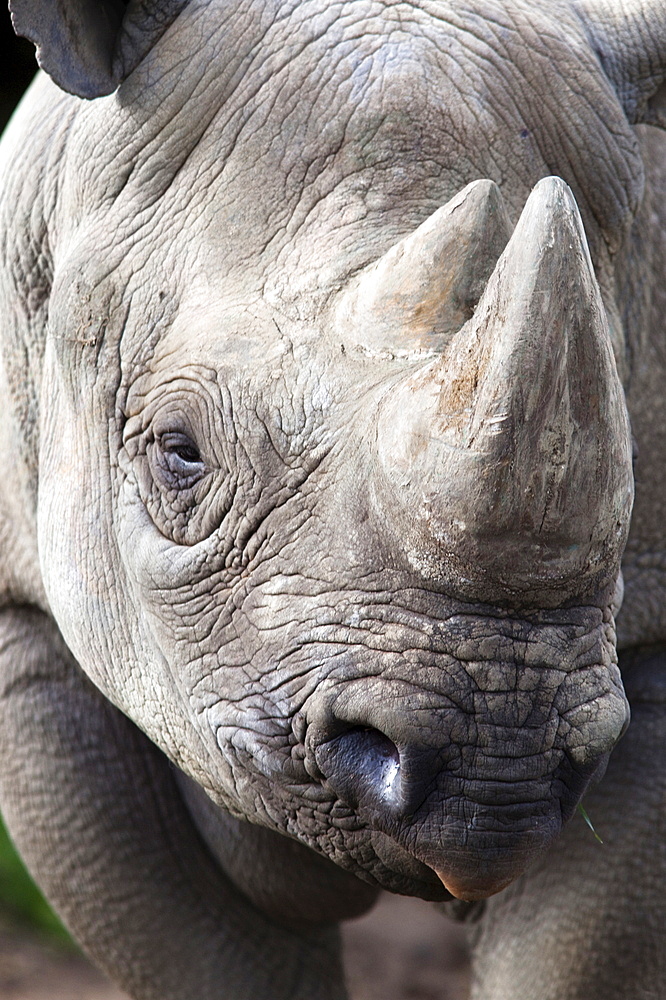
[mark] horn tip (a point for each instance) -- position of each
(553, 190)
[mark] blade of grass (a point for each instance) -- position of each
(587, 819)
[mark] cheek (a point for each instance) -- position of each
(73, 518)
(89, 593)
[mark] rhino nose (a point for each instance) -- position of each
(365, 768)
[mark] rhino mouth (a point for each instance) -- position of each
(451, 775)
(452, 833)
(428, 746)
(454, 836)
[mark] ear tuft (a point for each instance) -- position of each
(629, 37)
(88, 47)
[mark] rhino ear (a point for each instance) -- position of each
(88, 47)
(629, 37)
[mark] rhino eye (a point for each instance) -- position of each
(181, 456)
(181, 446)
(178, 462)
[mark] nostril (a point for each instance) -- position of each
(360, 763)
(376, 753)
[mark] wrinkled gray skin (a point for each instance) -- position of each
(216, 462)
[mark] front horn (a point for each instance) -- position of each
(506, 465)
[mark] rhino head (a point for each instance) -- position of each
(335, 481)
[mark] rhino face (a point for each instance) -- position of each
(354, 501)
(363, 668)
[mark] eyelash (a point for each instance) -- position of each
(174, 443)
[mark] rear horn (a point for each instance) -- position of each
(427, 286)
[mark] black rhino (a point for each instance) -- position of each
(331, 334)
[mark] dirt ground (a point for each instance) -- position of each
(404, 950)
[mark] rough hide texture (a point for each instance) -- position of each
(333, 444)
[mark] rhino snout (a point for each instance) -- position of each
(475, 816)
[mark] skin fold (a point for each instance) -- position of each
(303, 595)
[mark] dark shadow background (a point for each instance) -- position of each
(17, 65)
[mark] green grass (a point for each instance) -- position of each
(21, 903)
(587, 819)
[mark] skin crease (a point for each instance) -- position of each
(189, 274)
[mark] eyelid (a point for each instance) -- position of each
(172, 440)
